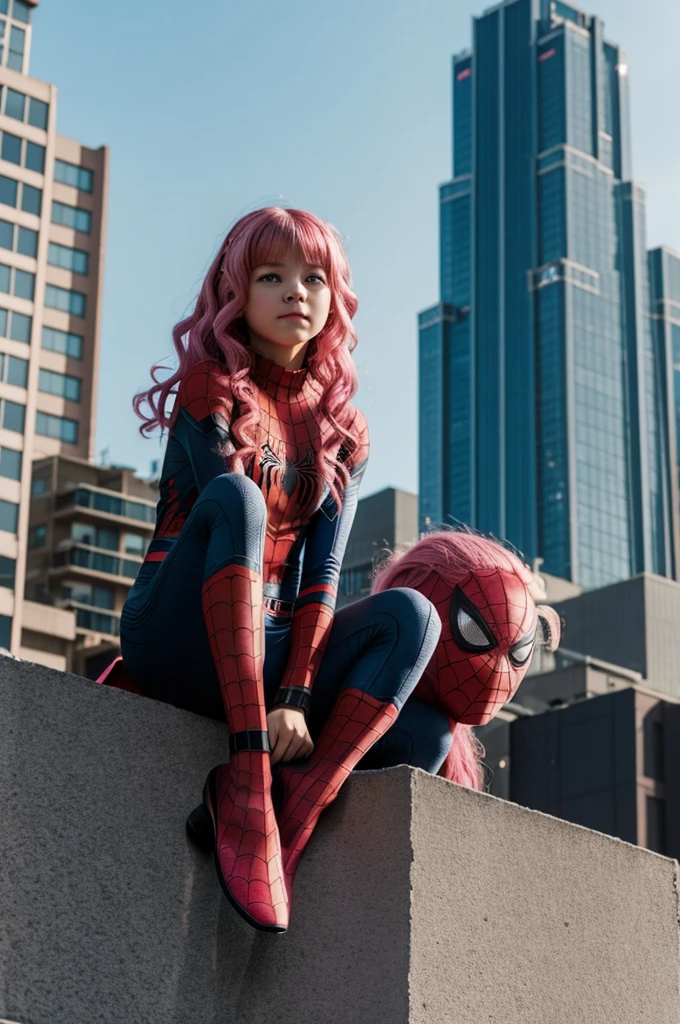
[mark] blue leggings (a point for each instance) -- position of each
(380, 645)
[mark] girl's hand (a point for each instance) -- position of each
(289, 737)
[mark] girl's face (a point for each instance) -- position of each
(277, 290)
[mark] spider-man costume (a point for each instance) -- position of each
(233, 612)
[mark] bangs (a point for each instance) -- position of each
(276, 238)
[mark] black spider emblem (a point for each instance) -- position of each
(302, 473)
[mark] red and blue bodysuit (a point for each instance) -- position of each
(232, 613)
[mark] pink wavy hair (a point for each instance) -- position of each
(217, 330)
(453, 554)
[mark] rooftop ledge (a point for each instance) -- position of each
(417, 901)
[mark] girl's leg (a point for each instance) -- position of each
(421, 737)
(377, 651)
(209, 589)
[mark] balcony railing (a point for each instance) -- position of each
(96, 622)
(111, 504)
(98, 561)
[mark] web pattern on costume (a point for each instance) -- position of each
(291, 431)
(472, 687)
(357, 721)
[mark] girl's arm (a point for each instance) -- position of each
(200, 419)
(325, 544)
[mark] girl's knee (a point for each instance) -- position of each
(236, 494)
(414, 612)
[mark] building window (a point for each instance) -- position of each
(61, 341)
(68, 259)
(60, 384)
(11, 148)
(24, 284)
(4, 6)
(70, 216)
(16, 282)
(13, 371)
(37, 113)
(7, 570)
(27, 242)
(15, 105)
(86, 593)
(94, 537)
(37, 537)
(65, 300)
(35, 157)
(71, 174)
(12, 416)
(17, 45)
(9, 516)
(5, 631)
(134, 544)
(58, 427)
(10, 464)
(21, 11)
(17, 239)
(31, 200)
(19, 326)
(39, 486)
(8, 190)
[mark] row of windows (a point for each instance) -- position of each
(88, 593)
(5, 631)
(63, 256)
(25, 108)
(72, 217)
(59, 427)
(13, 417)
(31, 198)
(64, 342)
(74, 175)
(65, 300)
(60, 384)
(17, 327)
(97, 561)
(86, 498)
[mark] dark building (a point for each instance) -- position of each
(593, 733)
(383, 521)
(543, 408)
(610, 764)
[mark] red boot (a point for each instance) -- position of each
(356, 722)
(237, 795)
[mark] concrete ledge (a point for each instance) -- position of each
(417, 902)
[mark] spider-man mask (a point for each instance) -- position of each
(490, 626)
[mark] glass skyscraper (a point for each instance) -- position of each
(542, 378)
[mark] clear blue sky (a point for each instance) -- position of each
(344, 109)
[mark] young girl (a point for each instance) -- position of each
(232, 614)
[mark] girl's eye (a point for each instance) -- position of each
(265, 276)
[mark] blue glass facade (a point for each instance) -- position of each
(551, 377)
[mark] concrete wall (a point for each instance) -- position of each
(417, 901)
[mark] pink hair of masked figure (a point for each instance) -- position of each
(485, 597)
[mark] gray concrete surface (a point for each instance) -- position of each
(416, 901)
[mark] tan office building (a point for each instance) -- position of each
(53, 194)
